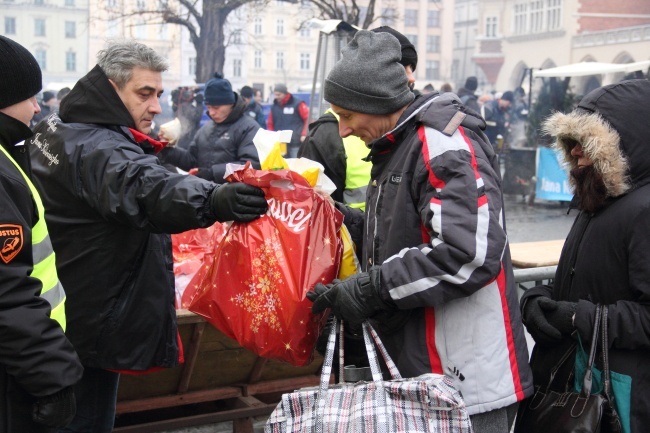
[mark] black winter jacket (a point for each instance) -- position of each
(606, 256)
(324, 145)
(217, 144)
(110, 206)
(36, 359)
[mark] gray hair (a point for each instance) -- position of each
(120, 57)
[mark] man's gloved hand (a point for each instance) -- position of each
(56, 410)
(354, 299)
(237, 202)
(559, 314)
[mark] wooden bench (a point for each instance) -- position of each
(216, 369)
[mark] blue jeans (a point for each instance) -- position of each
(96, 395)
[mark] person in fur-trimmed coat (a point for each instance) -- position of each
(606, 256)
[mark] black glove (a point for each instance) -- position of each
(559, 314)
(237, 202)
(537, 323)
(204, 173)
(56, 410)
(354, 299)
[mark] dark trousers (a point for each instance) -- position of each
(96, 395)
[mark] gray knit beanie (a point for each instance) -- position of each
(369, 78)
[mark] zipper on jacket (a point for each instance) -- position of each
(574, 257)
(372, 259)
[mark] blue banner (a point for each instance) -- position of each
(552, 182)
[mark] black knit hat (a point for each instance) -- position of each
(20, 75)
(409, 55)
(218, 91)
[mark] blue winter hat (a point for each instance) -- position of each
(218, 91)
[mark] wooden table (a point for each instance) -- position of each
(536, 254)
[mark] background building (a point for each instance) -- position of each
(55, 32)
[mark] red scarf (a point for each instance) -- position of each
(139, 137)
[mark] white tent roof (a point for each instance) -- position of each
(591, 68)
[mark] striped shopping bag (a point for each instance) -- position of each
(424, 404)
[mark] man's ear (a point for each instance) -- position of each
(114, 85)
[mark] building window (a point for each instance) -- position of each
(304, 62)
(433, 19)
(111, 3)
(41, 58)
(279, 27)
(140, 30)
(413, 39)
(70, 29)
(389, 16)
(236, 68)
(140, 5)
(520, 19)
(411, 17)
(536, 16)
(236, 37)
(257, 26)
(432, 70)
(191, 70)
(279, 60)
(38, 2)
(257, 59)
(39, 27)
(491, 27)
(10, 26)
(163, 31)
(456, 39)
(69, 2)
(70, 61)
(554, 14)
(305, 31)
(111, 28)
(433, 44)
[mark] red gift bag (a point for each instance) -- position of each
(255, 289)
(190, 249)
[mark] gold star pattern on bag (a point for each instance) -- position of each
(261, 297)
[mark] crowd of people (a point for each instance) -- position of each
(90, 195)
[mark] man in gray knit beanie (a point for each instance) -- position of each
(369, 78)
(437, 268)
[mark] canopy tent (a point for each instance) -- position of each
(591, 68)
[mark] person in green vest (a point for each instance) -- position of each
(343, 158)
(38, 365)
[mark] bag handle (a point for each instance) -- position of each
(377, 376)
(588, 379)
(369, 335)
(613, 418)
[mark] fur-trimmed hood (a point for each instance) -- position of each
(612, 123)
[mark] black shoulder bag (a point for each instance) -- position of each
(571, 412)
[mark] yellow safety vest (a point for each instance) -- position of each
(357, 171)
(43, 256)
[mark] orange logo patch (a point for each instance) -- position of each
(11, 241)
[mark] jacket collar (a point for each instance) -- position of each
(12, 131)
(94, 100)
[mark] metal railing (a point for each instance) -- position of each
(536, 276)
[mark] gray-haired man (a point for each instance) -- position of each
(110, 208)
(438, 274)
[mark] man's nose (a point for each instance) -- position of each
(344, 130)
(37, 107)
(155, 107)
